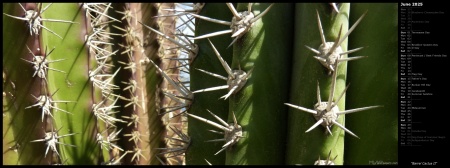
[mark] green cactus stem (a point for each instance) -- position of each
(259, 104)
(304, 148)
(374, 81)
(207, 60)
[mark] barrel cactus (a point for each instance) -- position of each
(147, 83)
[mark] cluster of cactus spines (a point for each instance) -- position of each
(101, 76)
(51, 139)
(232, 132)
(46, 104)
(303, 90)
(183, 96)
(108, 141)
(235, 81)
(330, 52)
(253, 52)
(19, 127)
(136, 111)
(236, 78)
(175, 97)
(189, 47)
(183, 100)
(327, 113)
(206, 60)
(131, 107)
(105, 109)
(329, 161)
(177, 146)
(33, 19)
(239, 24)
(41, 66)
(330, 55)
(155, 127)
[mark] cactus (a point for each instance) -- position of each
(379, 127)
(80, 81)
(207, 60)
(305, 148)
(307, 73)
(104, 83)
(262, 116)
